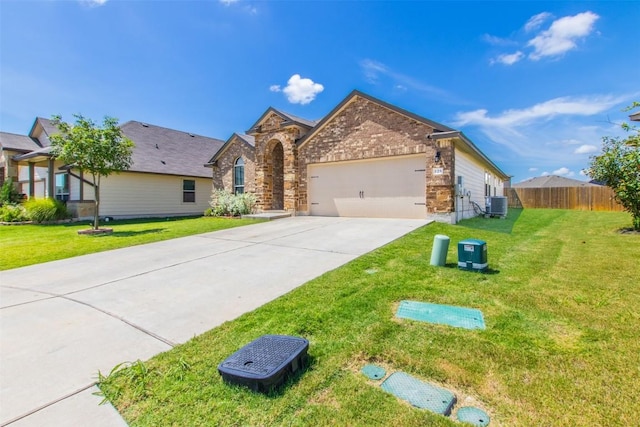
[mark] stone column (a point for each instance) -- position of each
(440, 179)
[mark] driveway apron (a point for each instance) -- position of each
(61, 322)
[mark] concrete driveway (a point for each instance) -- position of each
(62, 321)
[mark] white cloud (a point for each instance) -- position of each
(275, 88)
(374, 71)
(544, 174)
(508, 59)
(497, 41)
(301, 90)
(584, 172)
(562, 35)
(586, 149)
(583, 106)
(228, 2)
(93, 3)
(536, 21)
(533, 169)
(563, 171)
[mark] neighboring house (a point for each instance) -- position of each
(167, 176)
(366, 158)
(552, 181)
(635, 117)
(12, 145)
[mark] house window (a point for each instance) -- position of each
(238, 176)
(62, 186)
(487, 184)
(188, 191)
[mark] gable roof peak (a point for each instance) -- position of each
(289, 119)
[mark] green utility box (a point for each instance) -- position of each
(472, 255)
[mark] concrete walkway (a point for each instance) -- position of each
(62, 321)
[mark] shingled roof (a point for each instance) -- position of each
(552, 181)
(21, 143)
(167, 151)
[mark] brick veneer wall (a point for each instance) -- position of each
(366, 130)
(223, 172)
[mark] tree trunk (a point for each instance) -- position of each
(96, 214)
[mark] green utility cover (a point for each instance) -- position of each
(420, 394)
(472, 415)
(472, 255)
(374, 372)
(459, 317)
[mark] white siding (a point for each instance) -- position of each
(131, 194)
(74, 187)
(40, 180)
(473, 182)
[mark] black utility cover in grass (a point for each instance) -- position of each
(265, 363)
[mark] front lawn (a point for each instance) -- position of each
(560, 348)
(24, 245)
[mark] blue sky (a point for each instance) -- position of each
(534, 84)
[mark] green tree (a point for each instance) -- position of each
(618, 166)
(97, 151)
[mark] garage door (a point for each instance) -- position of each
(392, 187)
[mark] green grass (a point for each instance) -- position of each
(24, 245)
(561, 345)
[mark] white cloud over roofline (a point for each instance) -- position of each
(299, 90)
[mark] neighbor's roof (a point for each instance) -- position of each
(22, 143)
(552, 181)
(635, 117)
(167, 151)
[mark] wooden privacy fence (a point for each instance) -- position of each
(579, 198)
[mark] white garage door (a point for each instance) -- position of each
(393, 187)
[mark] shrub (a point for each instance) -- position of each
(13, 213)
(223, 203)
(43, 210)
(8, 193)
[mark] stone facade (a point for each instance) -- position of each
(276, 169)
(223, 171)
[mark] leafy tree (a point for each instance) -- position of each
(98, 151)
(619, 168)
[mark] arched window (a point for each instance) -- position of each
(238, 176)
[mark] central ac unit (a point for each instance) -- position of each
(497, 206)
